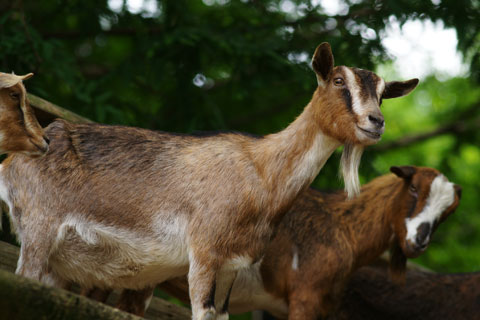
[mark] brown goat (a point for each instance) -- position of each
(119, 207)
(324, 238)
(425, 296)
(19, 128)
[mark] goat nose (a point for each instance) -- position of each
(423, 234)
(377, 120)
(421, 240)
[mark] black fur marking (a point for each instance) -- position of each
(347, 97)
(423, 231)
(227, 300)
(368, 83)
(210, 303)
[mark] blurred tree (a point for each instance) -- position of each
(189, 65)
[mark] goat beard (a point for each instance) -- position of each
(349, 164)
(398, 264)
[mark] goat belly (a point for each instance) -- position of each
(91, 254)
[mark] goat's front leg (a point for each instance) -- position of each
(225, 280)
(202, 288)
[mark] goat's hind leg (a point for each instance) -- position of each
(33, 261)
(33, 264)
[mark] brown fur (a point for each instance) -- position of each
(210, 203)
(135, 301)
(333, 237)
(19, 128)
(426, 296)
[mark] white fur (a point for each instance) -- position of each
(441, 196)
(380, 87)
(295, 258)
(223, 316)
(312, 161)
(349, 164)
(4, 196)
(237, 262)
(92, 254)
(249, 293)
(205, 314)
(357, 106)
(4, 190)
(147, 302)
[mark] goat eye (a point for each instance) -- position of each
(413, 190)
(338, 82)
(15, 95)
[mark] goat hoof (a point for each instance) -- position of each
(209, 315)
(223, 316)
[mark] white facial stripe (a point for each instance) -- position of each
(354, 90)
(380, 87)
(441, 196)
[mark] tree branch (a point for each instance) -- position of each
(56, 111)
(459, 126)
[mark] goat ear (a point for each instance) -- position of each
(398, 264)
(322, 62)
(8, 80)
(26, 77)
(458, 190)
(395, 89)
(405, 172)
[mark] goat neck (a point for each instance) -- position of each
(288, 161)
(370, 218)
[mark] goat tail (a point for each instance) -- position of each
(398, 264)
(349, 164)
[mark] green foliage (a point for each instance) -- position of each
(243, 65)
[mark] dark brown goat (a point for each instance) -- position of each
(324, 238)
(370, 295)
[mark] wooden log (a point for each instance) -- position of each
(159, 309)
(46, 111)
(8, 257)
(22, 298)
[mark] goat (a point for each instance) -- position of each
(324, 238)
(120, 207)
(371, 295)
(19, 128)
